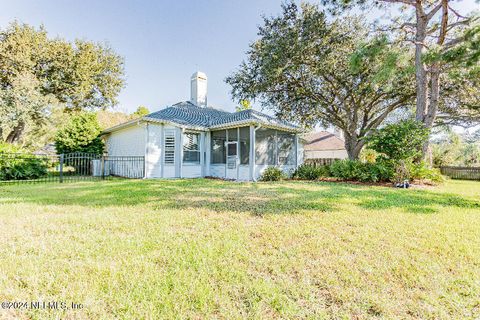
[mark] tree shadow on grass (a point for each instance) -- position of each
(222, 196)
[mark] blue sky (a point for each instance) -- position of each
(163, 42)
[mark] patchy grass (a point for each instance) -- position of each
(213, 249)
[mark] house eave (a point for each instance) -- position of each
(122, 126)
(255, 123)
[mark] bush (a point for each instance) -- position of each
(81, 134)
(15, 164)
(382, 170)
(368, 155)
(9, 148)
(22, 169)
(310, 172)
(399, 141)
(365, 172)
(422, 171)
(272, 174)
(346, 169)
(399, 144)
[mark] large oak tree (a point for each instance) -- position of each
(312, 71)
(446, 43)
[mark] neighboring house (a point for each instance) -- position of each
(47, 150)
(190, 140)
(324, 145)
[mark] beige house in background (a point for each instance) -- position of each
(324, 145)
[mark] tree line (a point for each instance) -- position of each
(316, 65)
(49, 83)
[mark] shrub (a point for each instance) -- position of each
(366, 172)
(422, 171)
(399, 141)
(309, 172)
(346, 169)
(368, 155)
(416, 171)
(23, 169)
(381, 170)
(272, 174)
(81, 134)
(15, 164)
(399, 144)
(9, 148)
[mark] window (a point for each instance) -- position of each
(169, 147)
(286, 148)
(219, 154)
(191, 148)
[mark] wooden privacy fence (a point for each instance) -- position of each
(320, 162)
(22, 168)
(466, 173)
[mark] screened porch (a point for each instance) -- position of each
(244, 152)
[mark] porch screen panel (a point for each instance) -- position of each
(286, 148)
(244, 141)
(265, 146)
(232, 135)
(232, 151)
(218, 152)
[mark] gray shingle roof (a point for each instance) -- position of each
(190, 115)
(322, 140)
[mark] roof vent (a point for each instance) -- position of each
(198, 89)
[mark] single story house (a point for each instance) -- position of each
(324, 145)
(190, 139)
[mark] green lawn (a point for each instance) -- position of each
(212, 249)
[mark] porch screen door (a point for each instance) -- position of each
(232, 160)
